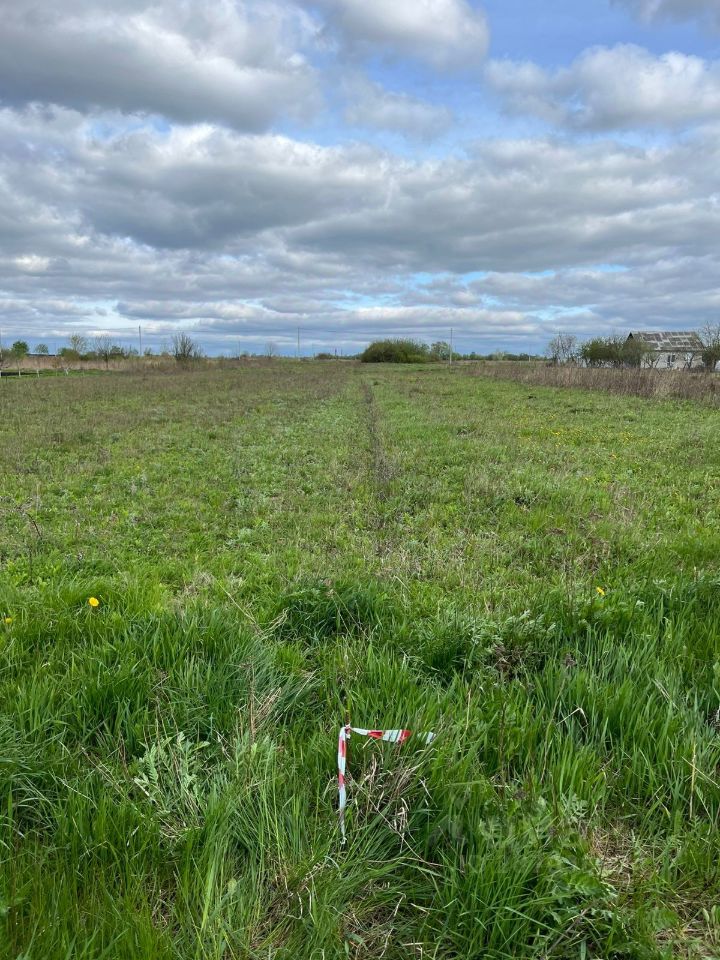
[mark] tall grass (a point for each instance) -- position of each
(679, 384)
(168, 783)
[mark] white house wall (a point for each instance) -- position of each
(674, 361)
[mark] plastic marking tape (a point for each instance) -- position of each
(389, 736)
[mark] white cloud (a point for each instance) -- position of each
(443, 33)
(234, 63)
(369, 105)
(623, 87)
(675, 9)
(31, 263)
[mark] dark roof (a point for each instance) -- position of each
(683, 342)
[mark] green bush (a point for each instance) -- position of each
(396, 351)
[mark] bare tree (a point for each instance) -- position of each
(271, 349)
(711, 342)
(688, 358)
(184, 348)
(563, 348)
(78, 343)
(651, 360)
(103, 348)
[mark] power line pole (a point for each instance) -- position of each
(297, 348)
(451, 346)
(140, 338)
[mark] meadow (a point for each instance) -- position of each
(281, 548)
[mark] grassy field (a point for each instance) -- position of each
(530, 572)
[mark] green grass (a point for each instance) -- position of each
(278, 547)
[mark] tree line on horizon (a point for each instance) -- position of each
(399, 350)
(610, 351)
(184, 349)
(79, 348)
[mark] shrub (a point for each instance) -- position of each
(396, 351)
(184, 348)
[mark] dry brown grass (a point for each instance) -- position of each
(660, 384)
(157, 362)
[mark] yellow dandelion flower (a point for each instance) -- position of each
(600, 591)
(93, 601)
(7, 620)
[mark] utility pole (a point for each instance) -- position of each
(140, 338)
(297, 348)
(451, 345)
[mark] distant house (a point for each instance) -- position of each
(671, 351)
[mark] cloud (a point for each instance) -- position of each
(248, 236)
(650, 10)
(524, 204)
(369, 105)
(204, 188)
(624, 87)
(233, 63)
(447, 34)
(676, 291)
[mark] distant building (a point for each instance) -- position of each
(671, 351)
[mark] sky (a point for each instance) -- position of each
(247, 170)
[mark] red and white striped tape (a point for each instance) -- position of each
(389, 736)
